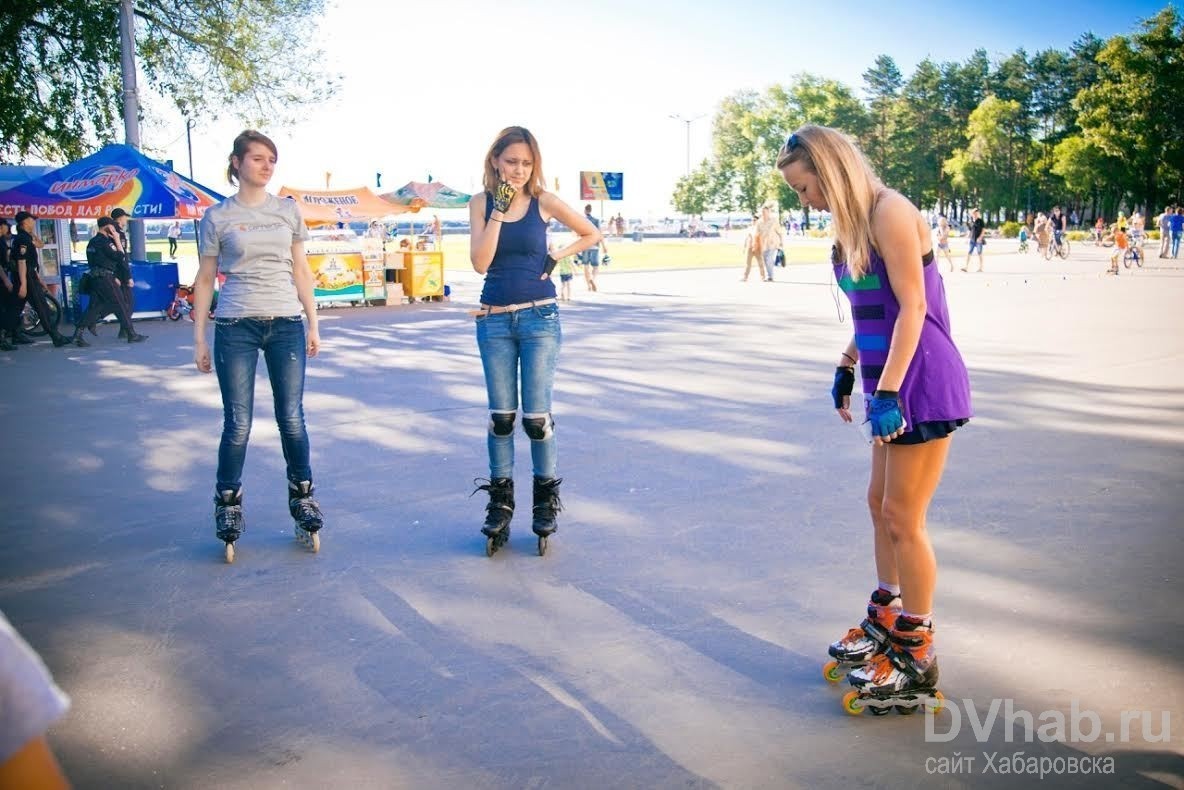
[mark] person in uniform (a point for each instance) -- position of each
(24, 260)
(124, 272)
(105, 262)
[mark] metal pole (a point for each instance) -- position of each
(131, 106)
(189, 124)
(688, 122)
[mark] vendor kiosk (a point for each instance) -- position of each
(338, 273)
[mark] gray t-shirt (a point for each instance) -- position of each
(253, 245)
(29, 700)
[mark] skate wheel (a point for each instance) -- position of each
(905, 710)
(314, 542)
(831, 671)
(849, 703)
(229, 553)
(542, 545)
(490, 547)
(936, 702)
(880, 711)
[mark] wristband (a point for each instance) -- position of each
(549, 265)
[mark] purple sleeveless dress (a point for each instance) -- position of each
(935, 393)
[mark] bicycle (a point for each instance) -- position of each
(183, 304)
(1058, 247)
(31, 322)
(1133, 254)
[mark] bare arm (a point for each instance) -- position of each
(483, 235)
(895, 227)
(203, 296)
(588, 235)
(302, 276)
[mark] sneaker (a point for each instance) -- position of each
(61, 340)
(79, 341)
(136, 338)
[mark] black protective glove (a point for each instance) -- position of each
(844, 385)
(503, 196)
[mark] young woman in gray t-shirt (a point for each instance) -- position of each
(256, 241)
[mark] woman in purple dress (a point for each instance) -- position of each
(916, 392)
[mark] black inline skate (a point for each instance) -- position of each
(306, 513)
(862, 643)
(903, 677)
(228, 519)
(546, 506)
(498, 513)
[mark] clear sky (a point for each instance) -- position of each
(426, 86)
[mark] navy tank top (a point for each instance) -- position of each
(513, 276)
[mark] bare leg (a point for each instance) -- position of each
(911, 476)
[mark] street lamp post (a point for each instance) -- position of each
(688, 122)
(189, 124)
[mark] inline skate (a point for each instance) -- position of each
(546, 506)
(306, 514)
(903, 677)
(498, 513)
(862, 643)
(228, 519)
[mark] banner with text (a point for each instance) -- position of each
(597, 185)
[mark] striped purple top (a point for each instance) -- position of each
(936, 386)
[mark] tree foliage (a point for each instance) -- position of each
(61, 60)
(1089, 128)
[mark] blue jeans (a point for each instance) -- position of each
(1175, 244)
(237, 343)
(530, 339)
(769, 258)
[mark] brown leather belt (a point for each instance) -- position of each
(489, 309)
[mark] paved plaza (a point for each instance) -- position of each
(715, 540)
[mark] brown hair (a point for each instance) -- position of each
(241, 144)
(847, 182)
(505, 138)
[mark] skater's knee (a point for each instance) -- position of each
(501, 423)
(538, 426)
(237, 431)
(901, 519)
(291, 424)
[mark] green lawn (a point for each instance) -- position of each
(627, 255)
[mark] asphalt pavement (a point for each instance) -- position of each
(714, 541)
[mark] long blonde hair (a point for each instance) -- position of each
(847, 182)
(537, 184)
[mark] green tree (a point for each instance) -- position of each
(693, 193)
(736, 153)
(882, 84)
(993, 163)
(806, 99)
(61, 58)
(1135, 110)
(1084, 167)
(923, 140)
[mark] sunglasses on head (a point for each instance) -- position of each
(792, 142)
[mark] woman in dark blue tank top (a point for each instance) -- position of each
(518, 323)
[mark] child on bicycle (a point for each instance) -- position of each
(1120, 245)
